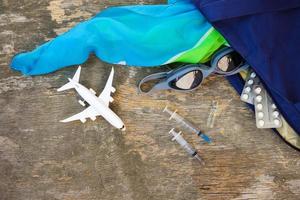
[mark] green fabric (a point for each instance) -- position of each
(203, 50)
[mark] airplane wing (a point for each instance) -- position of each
(105, 95)
(87, 113)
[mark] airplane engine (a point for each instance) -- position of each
(93, 91)
(93, 118)
(81, 103)
(83, 120)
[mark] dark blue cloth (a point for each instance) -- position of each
(267, 34)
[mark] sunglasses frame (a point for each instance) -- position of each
(171, 75)
(168, 77)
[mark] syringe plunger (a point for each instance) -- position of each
(186, 124)
(185, 145)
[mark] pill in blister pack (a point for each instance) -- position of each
(248, 92)
(266, 113)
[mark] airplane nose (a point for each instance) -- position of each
(123, 128)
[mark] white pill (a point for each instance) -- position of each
(250, 82)
(261, 123)
(253, 75)
(259, 106)
(277, 122)
(257, 90)
(260, 115)
(274, 106)
(258, 98)
(245, 96)
(247, 89)
(275, 113)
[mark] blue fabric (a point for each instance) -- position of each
(141, 35)
(267, 34)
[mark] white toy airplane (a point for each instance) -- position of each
(98, 105)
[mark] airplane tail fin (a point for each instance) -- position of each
(77, 75)
(70, 84)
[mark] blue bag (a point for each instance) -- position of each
(267, 34)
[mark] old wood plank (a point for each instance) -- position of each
(41, 158)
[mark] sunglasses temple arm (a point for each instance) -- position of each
(150, 78)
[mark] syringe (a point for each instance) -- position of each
(186, 124)
(185, 145)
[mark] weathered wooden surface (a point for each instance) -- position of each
(41, 158)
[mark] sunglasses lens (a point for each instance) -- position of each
(188, 81)
(230, 62)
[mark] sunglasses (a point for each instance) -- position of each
(225, 62)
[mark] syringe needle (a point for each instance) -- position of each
(205, 138)
(199, 159)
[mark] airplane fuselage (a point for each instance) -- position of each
(99, 106)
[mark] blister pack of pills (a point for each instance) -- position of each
(266, 112)
(248, 92)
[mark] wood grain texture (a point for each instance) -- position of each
(41, 158)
